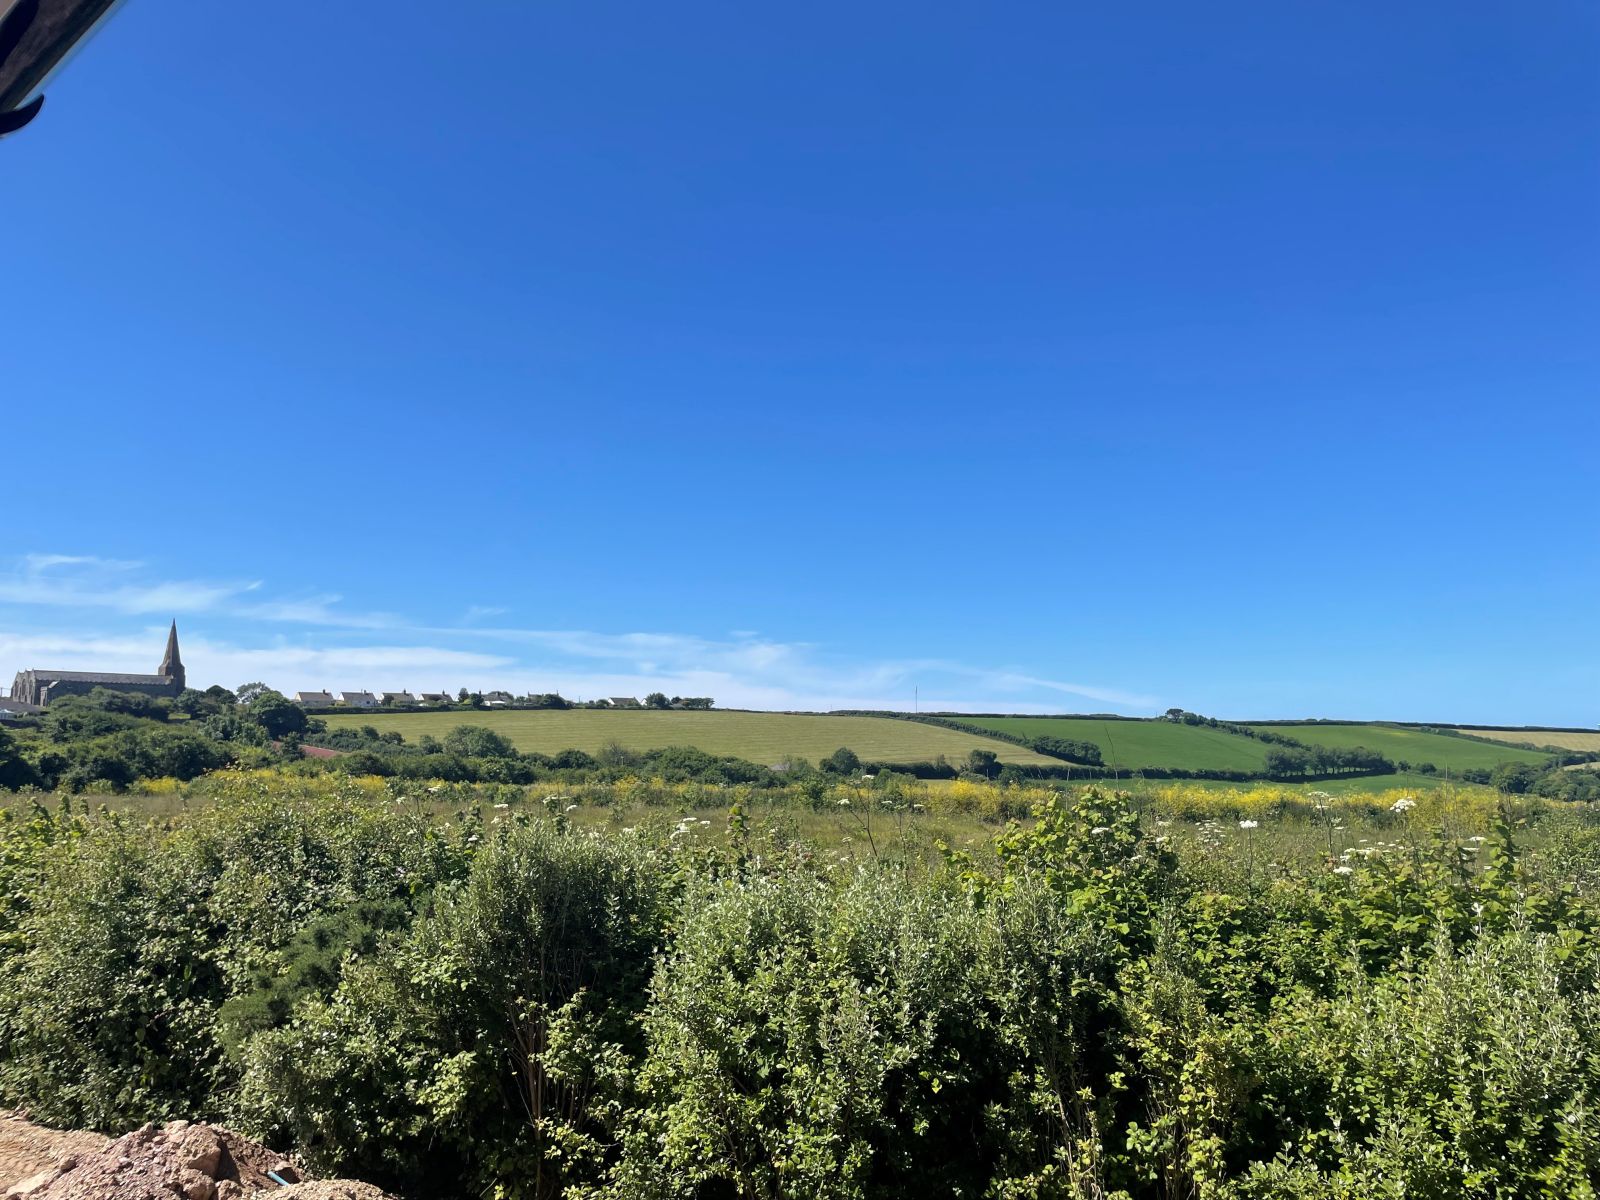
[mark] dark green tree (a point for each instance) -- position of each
(843, 761)
(474, 741)
(245, 693)
(983, 762)
(279, 717)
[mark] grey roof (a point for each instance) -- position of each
(96, 677)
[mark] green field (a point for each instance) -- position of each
(1408, 745)
(1130, 745)
(759, 737)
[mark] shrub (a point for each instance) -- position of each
(477, 1047)
(135, 937)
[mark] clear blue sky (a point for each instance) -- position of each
(1071, 357)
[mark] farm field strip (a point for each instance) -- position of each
(759, 737)
(1130, 745)
(1540, 737)
(1407, 745)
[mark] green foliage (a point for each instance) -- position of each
(485, 1045)
(15, 770)
(1068, 749)
(474, 741)
(132, 939)
(278, 716)
(814, 1039)
(1091, 851)
(843, 761)
(983, 762)
(1096, 1003)
(311, 965)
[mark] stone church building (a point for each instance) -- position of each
(41, 687)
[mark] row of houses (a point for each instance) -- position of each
(422, 700)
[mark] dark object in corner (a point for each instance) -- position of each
(35, 36)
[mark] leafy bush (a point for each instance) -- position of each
(428, 988)
(133, 939)
(451, 1056)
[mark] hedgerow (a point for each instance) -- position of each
(463, 993)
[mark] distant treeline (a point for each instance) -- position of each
(1290, 760)
(109, 741)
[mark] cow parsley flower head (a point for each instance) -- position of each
(1344, 870)
(1404, 804)
(1248, 824)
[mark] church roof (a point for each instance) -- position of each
(96, 677)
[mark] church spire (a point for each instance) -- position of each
(171, 663)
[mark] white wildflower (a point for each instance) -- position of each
(1248, 824)
(1404, 804)
(1344, 870)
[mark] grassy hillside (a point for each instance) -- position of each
(1133, 744)
(1541, 737)
(758, 737)
(1408, 745)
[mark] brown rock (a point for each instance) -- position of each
(199, 1149)
(32, 1185)
(326, 1189)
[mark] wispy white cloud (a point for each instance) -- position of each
(311, 641)
(88, 581)
(85, 581)
(284, 666)
(317, 610)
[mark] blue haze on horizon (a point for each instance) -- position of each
(1020, 356)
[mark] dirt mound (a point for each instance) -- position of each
(26, 1148)
(195, 1162)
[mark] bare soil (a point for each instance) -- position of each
(154, 1162)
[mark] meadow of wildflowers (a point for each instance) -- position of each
(876, 988)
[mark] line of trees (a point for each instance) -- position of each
(1292, 761)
